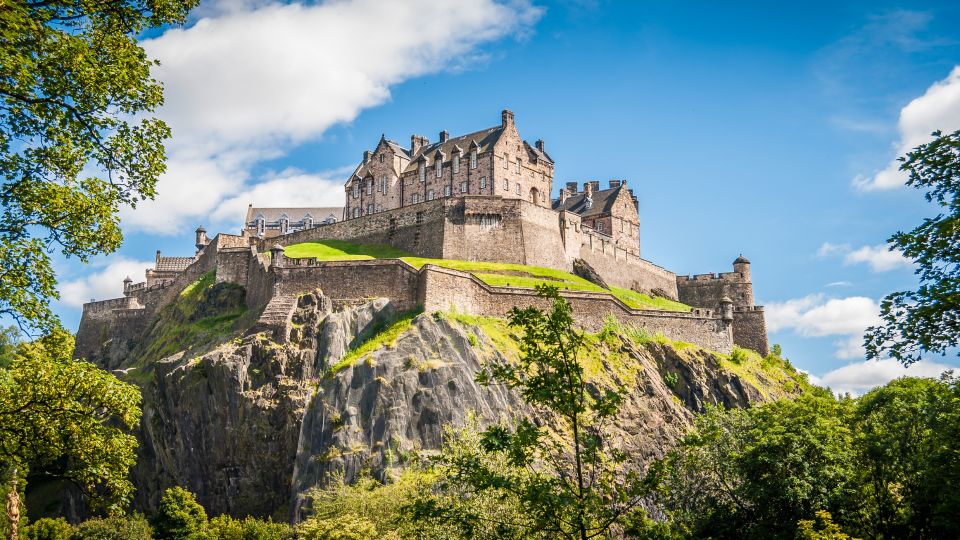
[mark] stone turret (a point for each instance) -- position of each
(742, 266)
(726, 308)
(126, 285)
(276, 256)
(202, 239)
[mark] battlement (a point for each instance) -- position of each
(724, 276)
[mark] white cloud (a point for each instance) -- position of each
(817, 316)
(252, 79)
(107, 282)
(880, 257)
(289, 188)
(937, 108)
(860, 377)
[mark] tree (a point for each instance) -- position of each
(74, 146)
(179, 516)
(68, 416)
(926, 320)
(133, 527)
(568, 479)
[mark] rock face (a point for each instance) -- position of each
(250, 425)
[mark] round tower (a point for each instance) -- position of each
(126, 285)
(742, 266)
(201, 238)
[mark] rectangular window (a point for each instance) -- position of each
(456, 163)
(430, 195)
(446, 191)
(369, 209)
(506, 185)
(383, 185)
(370, 187)
(415, 198)
(439, 169)
(356, 190)
(473, 159)
(463, 187)
(506, 161)
(422, 170)
(518, 165)
(483, 182)
(381, 158)
(518, 188)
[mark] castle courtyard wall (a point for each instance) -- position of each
(750, 329)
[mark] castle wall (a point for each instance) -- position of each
(351, 281)
(706, 290)
(750, 329)
(625, 270)
(483, 229)
(260, 281)
(451, 290)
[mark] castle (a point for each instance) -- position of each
(484, 196)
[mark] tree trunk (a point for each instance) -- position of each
(13, 507)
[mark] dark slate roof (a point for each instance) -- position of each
(395, 146)
(272, 215)
(602, 203)
(542, 156)
(484, 138)
(741, 260)
(173, 264)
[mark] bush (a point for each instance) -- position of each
(738, 355)
(228, 528)
(345, 527)
(133, 527)
(179, 517)
(47, 529)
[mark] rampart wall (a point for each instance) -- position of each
(750, 329)
(707, 289)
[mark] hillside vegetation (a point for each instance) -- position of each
(491, 273)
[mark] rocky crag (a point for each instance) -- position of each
(250, 418)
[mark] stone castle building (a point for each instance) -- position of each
(484, 196)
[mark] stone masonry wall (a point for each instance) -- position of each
(449, 290)
(706, 290)
(750, 329)
(625, 270)
(351, 281)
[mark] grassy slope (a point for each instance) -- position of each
(496, 274)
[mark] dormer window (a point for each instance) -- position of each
(456, 163)
(438, 164)
(422, 171)
(473, 159)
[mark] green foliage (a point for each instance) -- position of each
(133, 527)
(384, 334)
(10, 337)
(179, 516)
(886, 465)
(227, 528)
(47, 529)
(74, 87)
(565, 475)
(738, 355)
(916, 323)
(204, 312)
(68, 418)
(338, 250)
(343, 527)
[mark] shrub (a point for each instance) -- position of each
(179, 517)
(228, 528)
(344, 527)
(47, 529)
(133, 527)
(738, 355)
(671, 379)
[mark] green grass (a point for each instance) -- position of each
(336, 250)
(491, 273)
(384, 336)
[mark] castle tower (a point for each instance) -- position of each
(742, 266)
(202, 239)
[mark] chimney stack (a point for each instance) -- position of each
(506, 118)
(539, 145)
(416, 143)
(366, 156)
(572, 188)
(614, 184)
(588, 189)
(444, 136)
(563, 195)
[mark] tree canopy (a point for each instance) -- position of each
(926, 320)
(74, 143)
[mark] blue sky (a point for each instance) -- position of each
(758, 128)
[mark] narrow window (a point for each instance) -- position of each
(439, 168)
(456, 163)
(383, 185)
(518, 165)
(518, 188)
(415, 198)
(423, 171)
(446, 191)
(430, 195)
(463, 187)
(506, 161)
(473, 159)
(370, 187)
(381, 158)
(356, 190)
(506, 185)
(483, 182)
(369, 209)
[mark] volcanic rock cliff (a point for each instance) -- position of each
(250, 421)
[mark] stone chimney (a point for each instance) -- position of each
(539, 145)
(158, 259)
(595, 185)
(588, 189)
(614, 184)
(366, 156)
(563, 195)
(416, 143)
(444, 136)
(506, 118)
(572, 188)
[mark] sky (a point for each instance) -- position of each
(763, 128)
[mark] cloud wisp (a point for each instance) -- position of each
(101, 283)
(816, 315)
(860, 377)
(880, 258)
(251, 80)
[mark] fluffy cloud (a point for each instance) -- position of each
(251, 79)
(937, 108)
(880, 257)
(105, 282)
(860, 377)
(289, 188)
(817, 316)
